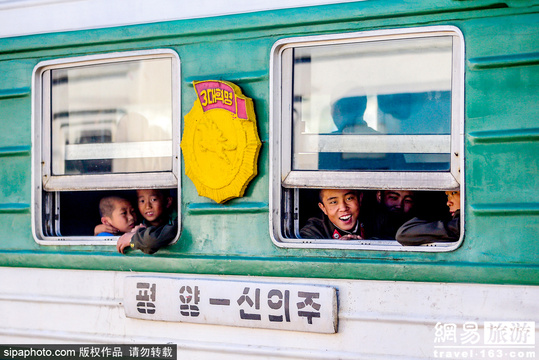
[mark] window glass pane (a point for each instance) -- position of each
(378, 105)
(112, 118)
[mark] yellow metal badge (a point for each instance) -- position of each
(220, 142)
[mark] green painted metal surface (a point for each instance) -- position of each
(501, 145)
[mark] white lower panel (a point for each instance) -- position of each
(376, 319)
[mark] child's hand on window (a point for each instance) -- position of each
(124, 242)
(351, 237)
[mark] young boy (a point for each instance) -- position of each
(117, 215)
(157, 230)
(417, 231)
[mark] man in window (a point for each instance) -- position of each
(340, 219)
(392, 209)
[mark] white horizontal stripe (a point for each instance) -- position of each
(375, 143)
(126, 150)
(24, 17)
(110, 181)
(370, 180)
(60, 300)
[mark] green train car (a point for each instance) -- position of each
(388, 105)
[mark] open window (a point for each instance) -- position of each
(380, 110)
(103, 125)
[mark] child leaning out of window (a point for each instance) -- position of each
(157, 229)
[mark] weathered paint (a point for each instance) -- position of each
(390, 305)
(501, 90)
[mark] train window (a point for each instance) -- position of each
(373, 110)
(103, 124)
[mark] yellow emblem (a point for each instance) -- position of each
(220, 142)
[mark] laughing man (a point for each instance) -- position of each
(341, 216)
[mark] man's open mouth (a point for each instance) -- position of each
(345, 218)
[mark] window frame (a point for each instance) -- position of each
(42, 178)
(283, 176)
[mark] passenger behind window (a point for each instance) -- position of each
(117, 216)
(158, 228)
(348, 114)
(419, 231)
(391, 209)
(341, 216)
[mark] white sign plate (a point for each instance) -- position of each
(282, 306)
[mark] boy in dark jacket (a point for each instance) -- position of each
(158, 229)
(417, 231)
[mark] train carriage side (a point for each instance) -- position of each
(60, 284)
